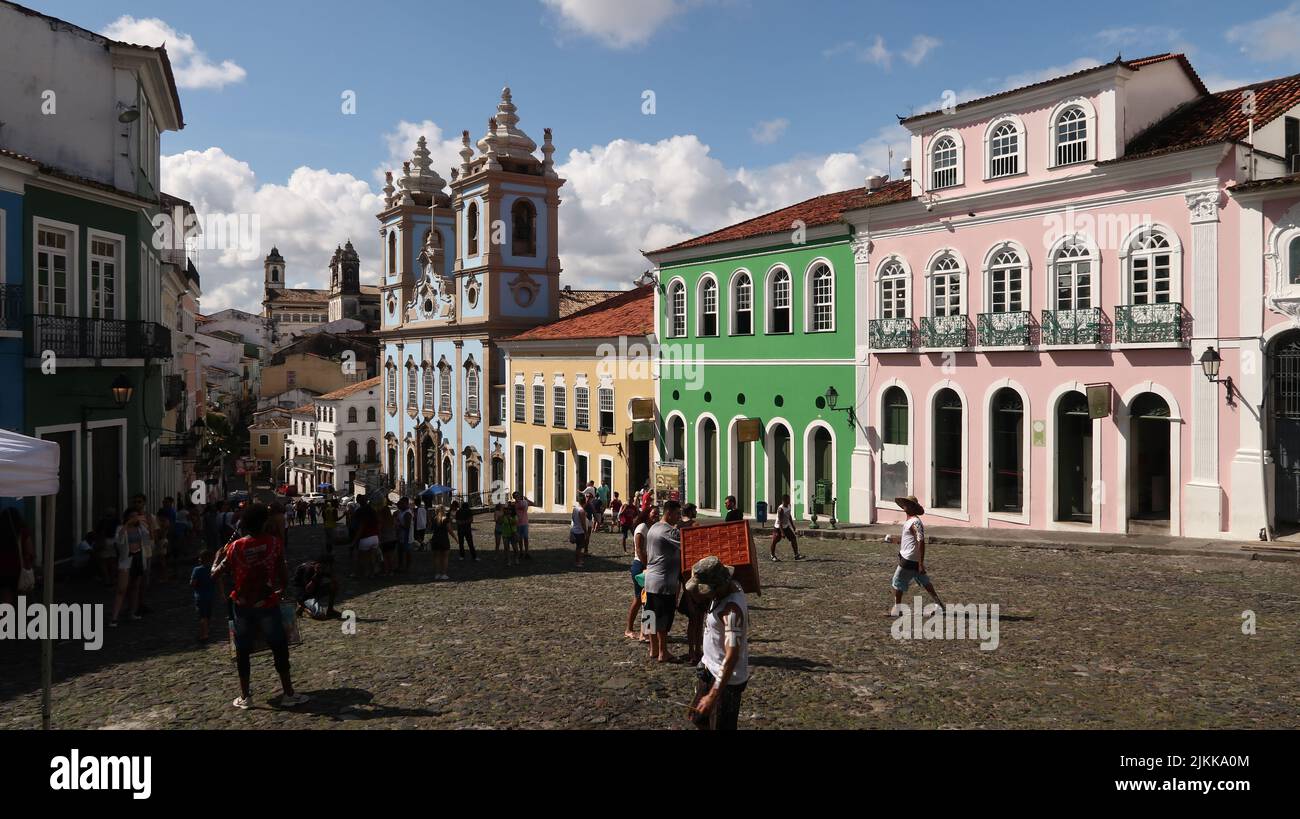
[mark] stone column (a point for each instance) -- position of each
(1204, 494)
(1248, 488)
(862, 494)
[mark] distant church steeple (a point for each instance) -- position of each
(274, 269)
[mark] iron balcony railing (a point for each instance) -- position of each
(945, 331)
(11, 307)
(81, 337)
(892, 334)
(1072, 326)
(1004, 329)
(1148, 323)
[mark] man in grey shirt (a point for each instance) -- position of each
(662, 577)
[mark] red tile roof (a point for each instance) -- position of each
(571, 301)
(1135, 65)
(351, 389)
(820, 210)
(1275, 182)
(1216, 118)
(629, 313)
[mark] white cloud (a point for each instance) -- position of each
(1269, 38)
(192, 67)
(769, 130)
(307, 217)
(616, 23)
(922, 44)
(876, 53)
(444, 152)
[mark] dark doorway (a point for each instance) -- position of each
(106, 473)
(638, 465)
(781, 466)
(1149, 458)
(707, 457)
(823, 455)
(1284, 369)
(1008, 463)
(949, 438)
(66, 501)
(1073, 459)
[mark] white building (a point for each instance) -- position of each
(300, 449)
(348, 434)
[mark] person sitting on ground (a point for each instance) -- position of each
(316, 588)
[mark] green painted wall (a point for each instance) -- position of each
(770, 377)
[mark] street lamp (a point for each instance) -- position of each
(1210, 362)
(832, 397)
(122, 390)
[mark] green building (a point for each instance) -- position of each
(756, 374)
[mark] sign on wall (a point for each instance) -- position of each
(562, 441)
(748, 430)
(1098, 400)
(1039, 432)
(643, 409)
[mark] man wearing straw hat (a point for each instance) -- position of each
(911, 554)
(724, 670)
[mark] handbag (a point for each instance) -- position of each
(26, 574)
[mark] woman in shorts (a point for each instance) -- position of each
(366, 541)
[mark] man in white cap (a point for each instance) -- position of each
(724, 671)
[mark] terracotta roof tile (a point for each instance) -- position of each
(629, 313)
(302, 294)
(1216, 118)
(351, 389)
(1136, 64)
(1275, 182)
(820, 210)
(305, 409)
(571, 301)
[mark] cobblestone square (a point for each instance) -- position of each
(1086, 640)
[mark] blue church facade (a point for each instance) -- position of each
(465, 265)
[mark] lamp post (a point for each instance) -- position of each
(832, 397)
(1210, 361)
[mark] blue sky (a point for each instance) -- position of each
(758, 103)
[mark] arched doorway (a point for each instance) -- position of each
(742, 475)
(1007, 464)
(1284, 427)
(708, 460)
(1073, 458)
(448, 472)
(949, 439)
(895, 449)
(780, 464)
(1149, 464)
(410, 464)
(676, 439)
(392, 465)
(822, 452)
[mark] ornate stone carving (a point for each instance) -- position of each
(1204, 205)
(861, 250)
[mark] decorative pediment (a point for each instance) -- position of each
(524, 288)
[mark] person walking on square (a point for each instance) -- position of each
(784, 528)
(723, 672)
(204, 588)
(911, 554)
(642, 523)
(464, 519)
(421, 522)
(521, 518)
(510, 534)
(330, 519)
(405, 524)
(440, 543)
(663, 578)
(579, 529)
(627, 520)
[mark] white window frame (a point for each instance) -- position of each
(444, 386)
(1128, 255)
(1019, 129)
(1090, 122)
(520, 397)
(559, 404)
(119, 261)
(810, 303)
(960, 151)
(473, 406)
(734, 310)
(602, 393)
(1093, 258)
(701, 301)
(904, 275)
(989, 273)
(932, 274)
(677, 313)
(73, 307)
(581, 405)
(769, 292)
(539, 406)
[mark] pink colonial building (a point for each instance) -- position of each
(1103, 235)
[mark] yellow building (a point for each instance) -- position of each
(581, 402)
(266, 436)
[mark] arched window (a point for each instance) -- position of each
(390, 372)
(370, 415)
(1072, 272)
(943, 163)
(471, 388)
(428, 386)
(708, 307)
(893, 291)
(677, 303)
(778, 299)
(444, 387)
(949, 441)
(945, 287)
(352, 452)
(708, 458)
(412, 379)
(372, 452)
(1004, 150)
(895, 433)
(1293, 261)
(471, 229)
(1006, 276)
(821, 300)
(742, 305)
(1008, 462)
(392, 253)
(1151, 273)
(523, 236)
(1071, 134)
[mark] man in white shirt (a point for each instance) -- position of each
(421, 523)
(911, 554)
(724, 669)
(783, 527)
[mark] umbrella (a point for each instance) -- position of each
(436, 489)
(325, 487)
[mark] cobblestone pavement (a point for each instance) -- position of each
(1086, 640)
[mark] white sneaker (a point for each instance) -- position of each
(242, 703)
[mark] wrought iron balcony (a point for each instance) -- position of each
(945, 331)
(892, 334)
(1149, 323)
(1004, 329)
(81, 337)
(1073, 326)
(11, 307)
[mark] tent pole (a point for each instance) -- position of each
(47, 647)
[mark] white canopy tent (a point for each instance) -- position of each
(29, 467)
